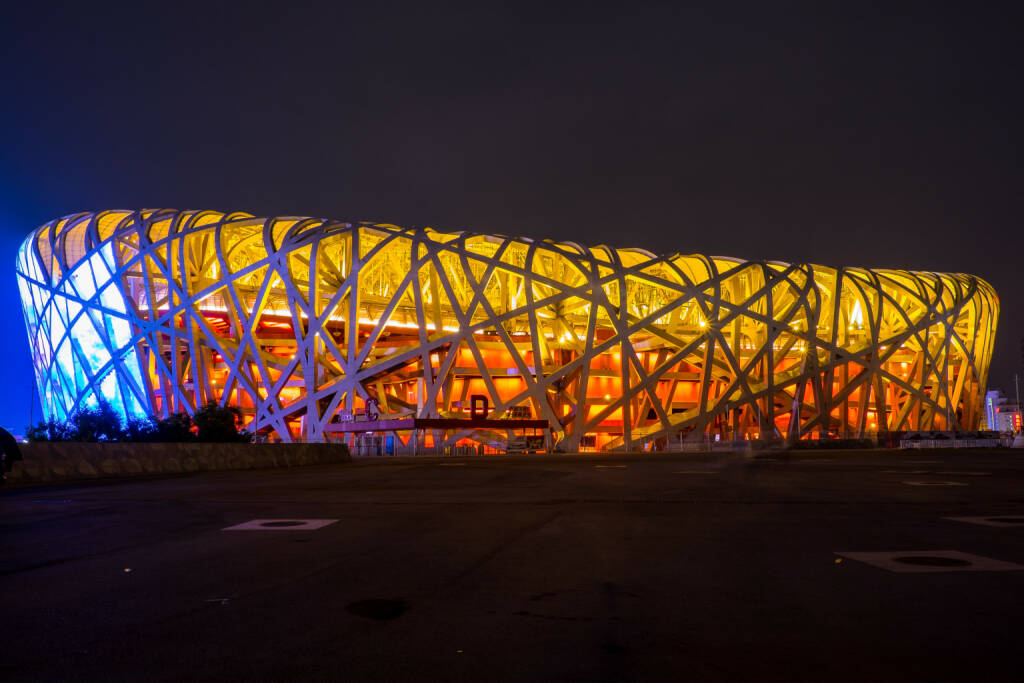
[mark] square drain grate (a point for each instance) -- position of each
(281, 525)
(931, 561)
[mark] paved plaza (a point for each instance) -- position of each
(869, 565)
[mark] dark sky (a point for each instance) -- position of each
(881, 137)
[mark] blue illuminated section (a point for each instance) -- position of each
(83, 346)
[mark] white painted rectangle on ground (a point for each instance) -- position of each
(930, 561)
(281, 525)
(992, 520)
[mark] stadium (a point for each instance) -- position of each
(321, 330)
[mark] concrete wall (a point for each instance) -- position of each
(66, 461)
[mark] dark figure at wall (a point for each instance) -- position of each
(9, 452)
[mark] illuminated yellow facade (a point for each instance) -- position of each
(299, 321)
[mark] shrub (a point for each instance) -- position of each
(220, 424)
(176, 428)
(138, 429)
(51, 430)
(211, 423)
(101, 423)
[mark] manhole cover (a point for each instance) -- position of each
(281, 525)
(382, 610)
(932, 561)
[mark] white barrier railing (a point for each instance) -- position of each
(1002, 442)
(372, 449)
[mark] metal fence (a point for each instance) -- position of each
(1002, 442)
(364, 449)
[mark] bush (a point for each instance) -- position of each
(211, 423)
(220, 424)
(138, 429)
(101, 423)
(51, 430)
(174, 428)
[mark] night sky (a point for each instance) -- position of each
(886, 137)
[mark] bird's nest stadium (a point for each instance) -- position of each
(321, 330)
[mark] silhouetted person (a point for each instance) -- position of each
(9, 452)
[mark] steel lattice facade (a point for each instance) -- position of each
(297, 321)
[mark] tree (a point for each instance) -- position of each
(101, 423)
(175, 428)
(138, 429)
(51, 430)
(220, 424)
(211, 423)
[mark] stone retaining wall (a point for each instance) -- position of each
(65, 461)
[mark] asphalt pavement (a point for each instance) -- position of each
(800, 567)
